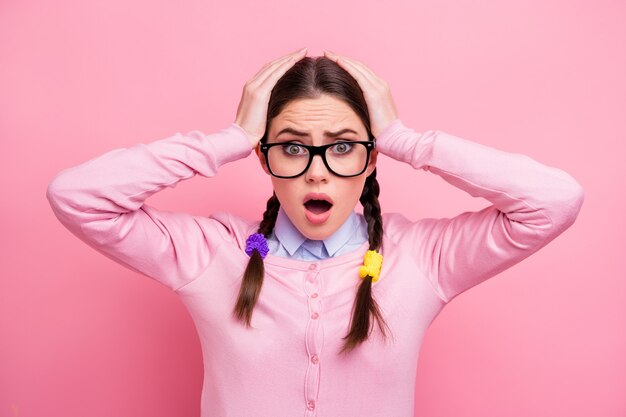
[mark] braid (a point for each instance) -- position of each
(371, 211)
(365, 303)
(253, 275)
(269, 217)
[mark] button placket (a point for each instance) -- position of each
(313, 340)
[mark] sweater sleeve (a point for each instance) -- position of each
(101, 201)
(532, 204)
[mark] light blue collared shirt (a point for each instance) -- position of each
(287, 241)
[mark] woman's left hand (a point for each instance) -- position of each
(382, 109)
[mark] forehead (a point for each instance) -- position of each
(315, 116)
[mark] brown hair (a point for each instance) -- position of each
(308, 79)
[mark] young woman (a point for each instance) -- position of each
(285, 306)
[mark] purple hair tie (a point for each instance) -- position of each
(257, 241)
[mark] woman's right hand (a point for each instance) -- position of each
(252, 110)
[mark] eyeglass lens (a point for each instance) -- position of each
(344, 158)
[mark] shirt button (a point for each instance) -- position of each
(315, 359)
(314, 295)
(313, 266)
(315, 315)
(310, 405)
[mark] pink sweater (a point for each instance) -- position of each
(287, 364)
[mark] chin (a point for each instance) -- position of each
(315, 232)
(323, 230)
(312, 231)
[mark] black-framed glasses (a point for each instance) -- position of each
(342, 158)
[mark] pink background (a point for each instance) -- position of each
(82, 336)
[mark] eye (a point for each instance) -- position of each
(293, 149)
(343, 147)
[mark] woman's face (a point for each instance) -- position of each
(315, 116)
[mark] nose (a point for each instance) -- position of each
(317, 170)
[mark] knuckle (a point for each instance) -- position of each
(250, 88)
(382, 90)
(255, 94)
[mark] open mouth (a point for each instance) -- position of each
(318, 206)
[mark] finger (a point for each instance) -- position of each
(280, 59)
(273, 73)
(363, 69)
(267, 73)
(262, 73)
(273, 76)
(367, 70)
(347, 64)
(365, 81)
(367, 73)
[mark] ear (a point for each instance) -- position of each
(261, 157)
(372, 163)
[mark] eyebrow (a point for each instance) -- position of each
(305, 134)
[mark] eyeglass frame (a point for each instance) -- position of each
(318, 150)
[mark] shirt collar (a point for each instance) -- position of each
(291, 238)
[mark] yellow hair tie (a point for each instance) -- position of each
(373, 262)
